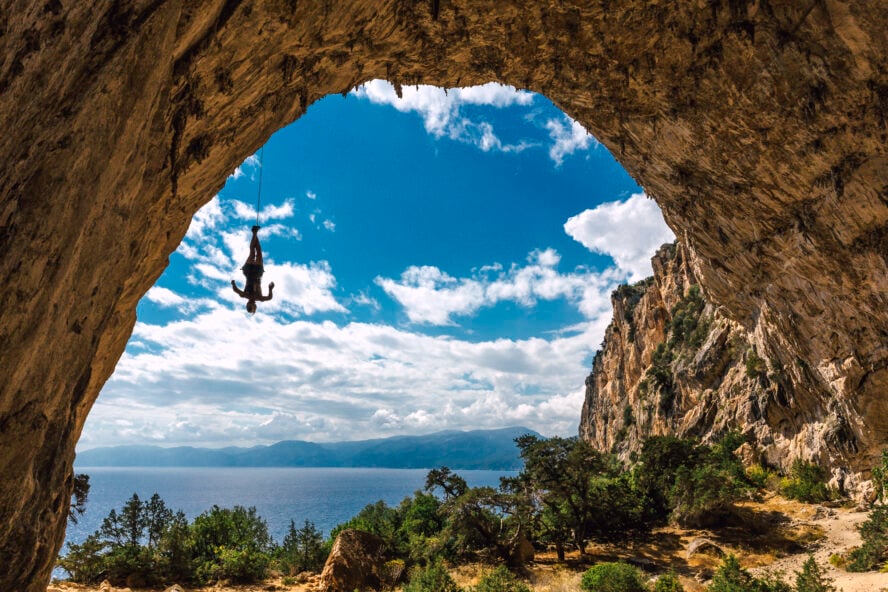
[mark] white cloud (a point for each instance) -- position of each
(568, 137)
(164, 297)
(629, 231)
(251, 164)
(311, 195)
(441, 112)
(227, 378)
(330, 225)
(431, 296)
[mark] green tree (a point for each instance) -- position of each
(484, 520)
(563, 473)
(812, 579)
(874, 550)
(231, 544)
(79, 496)
(730, 577)
(156, 517)
(85, 562)
(449, 482)
(302, 549)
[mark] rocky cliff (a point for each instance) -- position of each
(672, 363)
(759, 126)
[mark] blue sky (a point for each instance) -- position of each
(442, 261)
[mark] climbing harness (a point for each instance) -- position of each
(253, 267)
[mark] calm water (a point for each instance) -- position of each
(327, 497)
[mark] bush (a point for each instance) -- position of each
(500, 580)
(434, 578)
(806, 483)
(612, 577)
(668, 583)
(761, 477)
(231, 544)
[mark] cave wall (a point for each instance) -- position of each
(759, 128)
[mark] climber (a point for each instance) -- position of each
(253, 270)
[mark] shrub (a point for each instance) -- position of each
(612, 577)
(500, 580)
(812, 579)
(806, 483)
(668, 583)
(433, 578)
(755, 366)
(874, 551)
(730, 577)
(761, 477)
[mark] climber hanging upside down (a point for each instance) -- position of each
(253, 270)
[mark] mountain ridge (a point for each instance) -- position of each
(474, 449)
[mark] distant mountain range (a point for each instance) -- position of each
(479, 449)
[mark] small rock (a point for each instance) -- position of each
(175, 588)
(704, 546)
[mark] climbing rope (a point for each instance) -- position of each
(259, 191)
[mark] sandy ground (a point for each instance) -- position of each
(840, 534)
(775, 535)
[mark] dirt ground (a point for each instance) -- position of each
(774, 535)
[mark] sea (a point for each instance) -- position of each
(325, 496)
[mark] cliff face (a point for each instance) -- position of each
(671, 363)
(759, 127)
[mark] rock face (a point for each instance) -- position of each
(356, 562)
(759, 127)
(673, 364)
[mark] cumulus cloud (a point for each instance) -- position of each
(441, 110)
(224, 377)
(567, 136)
(431, 296)
(628, 231)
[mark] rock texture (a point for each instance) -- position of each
(673, 364)
(758, 126)
(356, 562)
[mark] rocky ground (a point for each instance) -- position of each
(773, 534)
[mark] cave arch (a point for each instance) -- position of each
(759, 128)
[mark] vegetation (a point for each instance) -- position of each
(730, 577)
(689, 483)
(812, 579)
(755, 366)
(874, 550)
(806, 483)
(613, 577)
(668, 583)
(147, 542)
(79, 496)
(434, 578)
(567, 494)
(500, 580)
(686, 332)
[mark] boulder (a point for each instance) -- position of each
(704, 546)
(356, 562)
